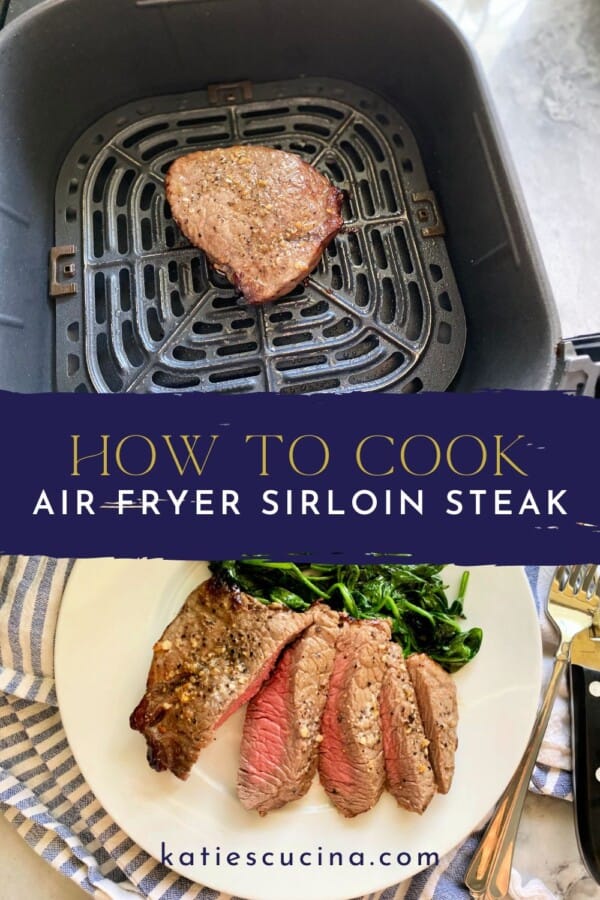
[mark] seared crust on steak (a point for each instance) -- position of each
(351, 764)
(409, 777)
(262, 216)
(436, 696)
(212, 658)
(281, 737)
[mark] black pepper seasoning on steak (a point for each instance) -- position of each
(409, 777)
(262, 216)
(281, 738)
(211, 659)
(351, 763)
(436, 696)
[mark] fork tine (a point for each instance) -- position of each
(576, 574)
(582, 581)
(590, 585)
(561, 576)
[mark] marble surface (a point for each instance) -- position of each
(25, 876)
(547, 852)
(542, 61)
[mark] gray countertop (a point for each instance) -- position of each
(542, 61)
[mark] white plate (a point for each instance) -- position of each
(112, 613)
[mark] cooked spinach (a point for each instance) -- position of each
(412, 597)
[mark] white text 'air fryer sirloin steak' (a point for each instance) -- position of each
(324, 691)
(262, 216)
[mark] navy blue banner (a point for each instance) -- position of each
(506, 478)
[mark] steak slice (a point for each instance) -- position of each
(281, 736)
(262, 216)
(212, 658)
(436, 696)
(409, 775)
(351, 764)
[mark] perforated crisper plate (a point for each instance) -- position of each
(146, 312)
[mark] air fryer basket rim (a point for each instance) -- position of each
(407, 335)
(22, 21)
(477, 68)
(546, 370)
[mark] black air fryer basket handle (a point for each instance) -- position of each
(4, 4)
(579, 365)
(588, 345)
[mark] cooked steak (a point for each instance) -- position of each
(436, 696)
(281, 736)
(351, 765)
(409, 775)
(262, 216)
(212, 658)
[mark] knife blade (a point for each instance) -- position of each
(584, 676)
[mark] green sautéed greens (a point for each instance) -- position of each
(412, 597)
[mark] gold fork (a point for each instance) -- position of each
(570, 605)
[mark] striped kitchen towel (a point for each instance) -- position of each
(44, 795)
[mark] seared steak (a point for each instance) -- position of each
(212, 658)
(436, 696)
(351, 764)
(409, 775)
(262, 216)
(281, 736)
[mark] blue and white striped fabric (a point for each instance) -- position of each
(44, 795)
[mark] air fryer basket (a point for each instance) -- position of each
(71, 63)
(145, 312)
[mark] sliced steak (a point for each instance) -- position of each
(212, 658)
(262, 216)
(281, 736)
(436, 696)
(409, 775)
(351, 765)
